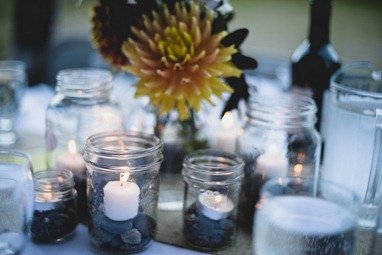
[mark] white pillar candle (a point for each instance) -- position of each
(121, 199)
(214, 205)
(71, 160)
(272, 163)
(226, 134)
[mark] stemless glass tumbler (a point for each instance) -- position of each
(212, 189)
(305, 216)
(123, 185)
(16, 200)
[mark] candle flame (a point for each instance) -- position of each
(227, 120)
(48, 195)
(72, 148)
(124, 176)
(218, 199)
(298, 169)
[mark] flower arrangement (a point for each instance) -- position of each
(180, 50)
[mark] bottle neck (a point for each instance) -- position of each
(320, 12)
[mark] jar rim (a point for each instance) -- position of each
(206, 165)
(84, 82)
(96, 148)
(359, 65)
(286, 110)
(53, 180)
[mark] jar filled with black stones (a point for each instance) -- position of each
(123, 185)
(279, 139)
(55, 216)
(212, 190)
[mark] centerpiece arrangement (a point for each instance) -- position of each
(180, 51)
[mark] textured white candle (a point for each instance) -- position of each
(272, 164)
(214, 206)
(226, 134)
(71, 160)
(121, 202)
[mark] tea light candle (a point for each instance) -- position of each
(272, 163)
(214, 206)
(226, 135)
(71, 160)
(121, 199)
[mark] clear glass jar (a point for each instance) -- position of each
(55, 212)
(123, 184)
(82, 106)
(212, 190)
(278, 139)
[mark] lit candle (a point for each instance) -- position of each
(226, 135)
(121, 199)
(214, 205)
(272, 163)
(71, 160)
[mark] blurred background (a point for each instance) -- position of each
(54, 34)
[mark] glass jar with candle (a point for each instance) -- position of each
(82, 106)
(123, 185)
(278, 139)
(55, 216)
(212, 189)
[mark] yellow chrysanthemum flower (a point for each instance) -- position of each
(178, 61)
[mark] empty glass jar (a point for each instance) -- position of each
(82, 106)
(278, 139)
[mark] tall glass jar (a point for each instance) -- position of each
(55, 215)
(82, 106)
(123, 185)
(212, 191)
(278, 139)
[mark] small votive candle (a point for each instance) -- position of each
(54, 217)
(212, 190)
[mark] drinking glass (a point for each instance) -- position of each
(16, 200)
(13, 81)
(13, 220)
(305, 216)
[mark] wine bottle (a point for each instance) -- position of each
(315, 59)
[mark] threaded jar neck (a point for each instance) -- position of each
(84, 83)
(213, 167)
(54, 185)
(120, 151)
(284, 111)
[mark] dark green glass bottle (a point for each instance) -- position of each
(315, 59)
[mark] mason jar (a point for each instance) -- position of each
(55, 215)
(81, 107)
(212, 190)
(278, 139)
(123, 184)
